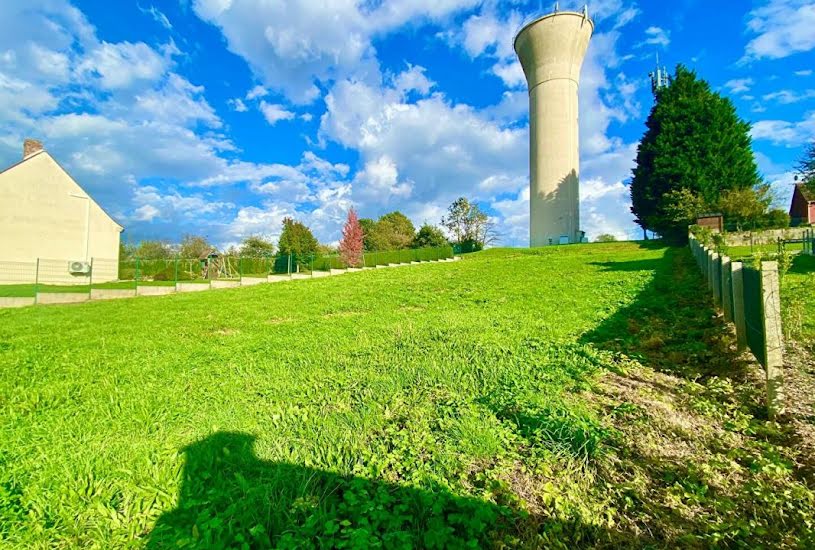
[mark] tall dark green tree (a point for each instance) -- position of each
(694, 141)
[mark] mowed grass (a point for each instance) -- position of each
(742, 252)
(441, 405)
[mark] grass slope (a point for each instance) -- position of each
(577, 396)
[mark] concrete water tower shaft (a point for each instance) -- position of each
(551, 49)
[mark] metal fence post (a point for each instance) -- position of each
(36, 281)
(175, 275)
(289, 265)
(773, 338)
(90, 282)
(737, 280)
(136, 276)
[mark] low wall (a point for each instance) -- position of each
(148, 290)
(16, 302)
(155, 290)
(111, 293)
(770, 236)
(225, 284)
(61, 297)
(192, 287)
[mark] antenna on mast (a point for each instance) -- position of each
(659, 78)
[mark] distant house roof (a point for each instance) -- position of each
(807, 192)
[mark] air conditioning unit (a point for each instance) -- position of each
(79, 268)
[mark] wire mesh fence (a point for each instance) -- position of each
(749, 297)
(809, 242)
(105, 278)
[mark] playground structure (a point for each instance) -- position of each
(215, 265)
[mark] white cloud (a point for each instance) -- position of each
(787, 97)
(256, 92)
(781, 132)
(152, 205)
(274, 113)
(158, 16)
(739, 85)
(177, 100)
(293, 45)
(656, 36)
(804, 72)
(238, 105)
(413, 79)
(783, 28)
(123, 64)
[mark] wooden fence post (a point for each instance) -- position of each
(737, 280)
(774, 340)
(727, 289)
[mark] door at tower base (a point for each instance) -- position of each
(551, 50)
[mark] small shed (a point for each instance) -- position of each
(802, 209)
(714, 222)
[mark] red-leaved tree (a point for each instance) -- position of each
(352, 241)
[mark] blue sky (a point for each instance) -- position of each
(221, 117)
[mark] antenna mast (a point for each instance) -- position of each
(659, 78)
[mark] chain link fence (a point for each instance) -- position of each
(61, 281)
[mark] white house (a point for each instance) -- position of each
(45, 214)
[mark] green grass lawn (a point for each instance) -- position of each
(576, 396)
(741, 252)
(798, 300)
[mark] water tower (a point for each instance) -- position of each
(551, 49)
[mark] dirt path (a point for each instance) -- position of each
(799, 378)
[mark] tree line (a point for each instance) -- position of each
(465, 222)
(696, 158)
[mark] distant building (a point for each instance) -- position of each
(45, 214)
(714, 222)
(802, 209)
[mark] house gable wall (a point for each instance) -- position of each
(43, 215)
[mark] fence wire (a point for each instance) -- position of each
(109, 278)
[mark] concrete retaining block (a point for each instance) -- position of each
(382, 266)
(192, 287)
(337, 271)
(320, 274)
(298, 276)
(61, 297)
(353, 269)
(16, 302)
(250, 281)
(155, 290)
(225, 284)
(111, 293)
(278, 278)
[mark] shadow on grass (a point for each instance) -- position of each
(232, 499)
(671, 326)
(802, 264)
